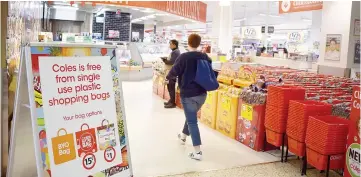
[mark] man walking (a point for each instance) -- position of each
(169, 62)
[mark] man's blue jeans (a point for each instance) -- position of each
(191, 106)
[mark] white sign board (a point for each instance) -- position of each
(251, 32)
(79, 114)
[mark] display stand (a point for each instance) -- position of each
(34, 120)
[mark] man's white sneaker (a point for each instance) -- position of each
(195, 155)
(181, 141)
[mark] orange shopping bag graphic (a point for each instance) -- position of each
(63, 147)
(85, 140)
(106, 135)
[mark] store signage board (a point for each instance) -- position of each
(251, 32)
(263, 29)
(298, 6)
(352, 165)
(195, 10)
(77, 112)
(271, 29)
(296, 37)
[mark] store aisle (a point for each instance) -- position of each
(154, 147)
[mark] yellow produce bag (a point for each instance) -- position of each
(209, 109)
(227, 114)
(63, 147)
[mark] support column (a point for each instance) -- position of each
(338, 19)
(315, 32)
(222, 27)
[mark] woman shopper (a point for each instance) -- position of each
(193, 95)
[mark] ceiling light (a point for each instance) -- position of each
(224, 3)
(262, 14)
(239, 20)
(276, 16)
(306, 20)
(66, 7)
(135, 9)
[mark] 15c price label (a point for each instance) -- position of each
(109, 154)
(89, 161)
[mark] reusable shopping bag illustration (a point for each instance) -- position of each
(85, 140)
(106, 135)
(63, 147)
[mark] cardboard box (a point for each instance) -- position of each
(209, 109)
(161, 86)
(155, 84)
(226, 120)
(352, 165)
(250, 125)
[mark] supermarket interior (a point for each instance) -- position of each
(287, 105)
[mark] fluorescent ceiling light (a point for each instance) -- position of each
(276, 16)
(224, 3)
(262, 14)
(134, 8)
(306, 20)
(66, 7)
(242, 19)
(147, 11)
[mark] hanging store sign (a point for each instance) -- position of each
(195, 10)
(296, 37)
(299, 6)
(251, 32)
(271, 29)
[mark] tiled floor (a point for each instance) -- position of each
(276, 169)
(153, 139)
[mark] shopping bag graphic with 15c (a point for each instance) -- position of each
(63, 147)
(106, 135)
(85, 139)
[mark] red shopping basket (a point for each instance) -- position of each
(281, 95)
(296, 147)
(319, 161)
(298, 114)
(274, 138)
(327, 134)
(276, 118)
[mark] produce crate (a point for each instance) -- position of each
(319, 161)
(298, 114)
(327, 134)
(209, 109)
(227, 114)
(250, 125)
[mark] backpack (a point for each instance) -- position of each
(205, 76)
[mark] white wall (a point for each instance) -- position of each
(355, 14)
(336, 17)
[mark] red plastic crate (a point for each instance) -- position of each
(327, 134)
(319, 161)
(274, 138)
(296, 147)
(298, 114)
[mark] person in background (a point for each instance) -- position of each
(169, 61)
(192, 94)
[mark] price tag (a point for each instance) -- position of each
(109, 154)
(247, 112)
(89, 161)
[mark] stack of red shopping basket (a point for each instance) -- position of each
(278, 98)
(298, 114)
(326, 136)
